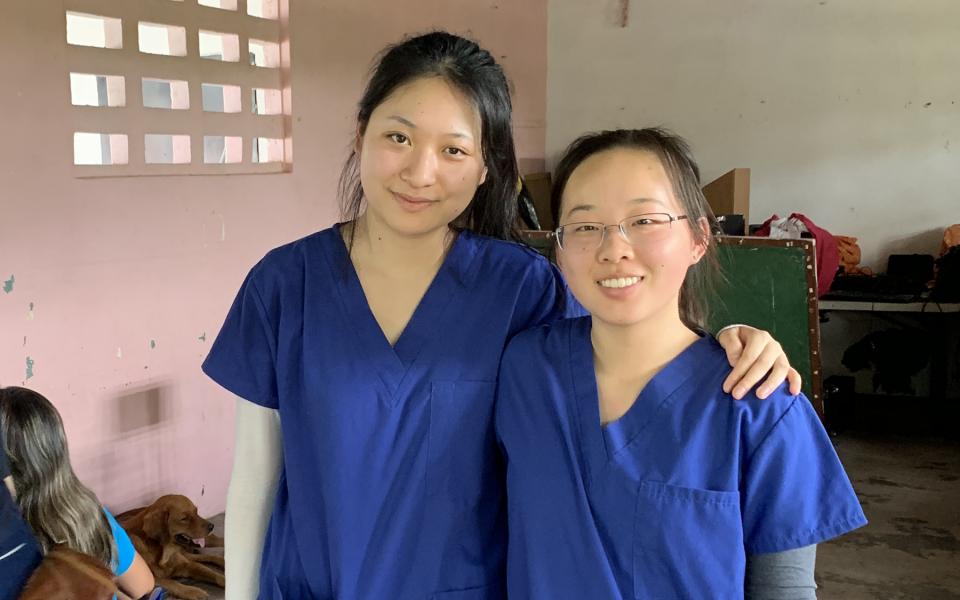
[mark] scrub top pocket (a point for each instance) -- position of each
(685, 543)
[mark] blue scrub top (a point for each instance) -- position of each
(667, 501)
(392, 483)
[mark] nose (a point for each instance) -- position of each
(421, 168)
(614, 246)
(209, 527)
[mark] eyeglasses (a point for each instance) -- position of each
(636, 230)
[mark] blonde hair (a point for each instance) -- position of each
(58, 507)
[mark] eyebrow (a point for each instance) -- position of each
(413, 125)
(587, 207)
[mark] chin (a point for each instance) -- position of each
(416, 229)
(620, 320)
(620, 314)
(411, 224)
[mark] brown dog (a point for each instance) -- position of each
(166, 535)
(66, 574)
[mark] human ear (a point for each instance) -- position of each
(700, 248)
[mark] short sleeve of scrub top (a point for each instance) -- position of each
(243, 357)
(125, 550)
(795, 492)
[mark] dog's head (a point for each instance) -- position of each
(174, 519)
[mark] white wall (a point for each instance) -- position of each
(848, 111)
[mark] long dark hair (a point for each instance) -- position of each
(684, 174)
(472, 70)
(58, 507)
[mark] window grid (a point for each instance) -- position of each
(261, 94)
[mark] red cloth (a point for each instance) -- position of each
(828, 256)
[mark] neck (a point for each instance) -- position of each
(375, 243)
(639, 349)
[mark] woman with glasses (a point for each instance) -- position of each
(630, 473)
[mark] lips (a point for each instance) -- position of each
(413, 199)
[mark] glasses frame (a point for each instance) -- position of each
(557, 233)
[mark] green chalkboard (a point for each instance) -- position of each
(771, 284)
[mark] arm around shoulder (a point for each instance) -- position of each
(258, 457)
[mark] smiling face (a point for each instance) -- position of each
(420, 157)
(619, 283)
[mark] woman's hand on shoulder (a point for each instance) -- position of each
(753, 354)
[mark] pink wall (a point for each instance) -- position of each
(129, 278)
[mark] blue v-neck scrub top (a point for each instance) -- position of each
(392, 484)
(667, 501)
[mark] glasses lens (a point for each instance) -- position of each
(646, 227)
(581, 237)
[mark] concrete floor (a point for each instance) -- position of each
(910, 490)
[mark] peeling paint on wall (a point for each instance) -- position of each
(153, 344)
(29, 367)
(203, 337)
(8, 284)
(119, 352)
(30, 312)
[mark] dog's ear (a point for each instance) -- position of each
(155, 524)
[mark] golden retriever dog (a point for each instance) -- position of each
(66, 574)
(168, 534)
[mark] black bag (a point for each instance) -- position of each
(909, 273)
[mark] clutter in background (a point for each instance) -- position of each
(729, 199)
(794, 227)
(946, 287)
(951, 238)
(849, 252)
